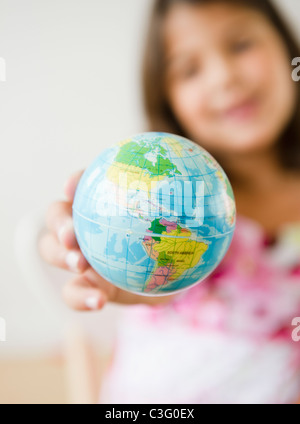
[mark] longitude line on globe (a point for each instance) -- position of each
(147, 267)
(185, 276)
(127, 250)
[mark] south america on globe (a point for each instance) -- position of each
(154, 214)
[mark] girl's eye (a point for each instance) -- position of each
(241, 46)
(188, 72)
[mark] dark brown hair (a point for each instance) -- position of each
(158, 111)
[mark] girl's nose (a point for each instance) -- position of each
(221, 74)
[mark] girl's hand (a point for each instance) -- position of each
(87, 290)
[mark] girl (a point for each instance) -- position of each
(217, 72)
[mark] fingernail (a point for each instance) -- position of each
(72, 260)
(92, 302)
(66, 227)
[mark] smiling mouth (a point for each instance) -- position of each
(242, 111)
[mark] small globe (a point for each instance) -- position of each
(154, 214)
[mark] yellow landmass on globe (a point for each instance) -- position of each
(175, 145)
(129, 177)
(122, 143)
(185, 253)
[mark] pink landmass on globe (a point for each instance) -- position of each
(170, 226)
(160, 277)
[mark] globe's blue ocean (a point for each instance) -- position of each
(154, 214)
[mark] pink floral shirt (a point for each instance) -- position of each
(225, 340)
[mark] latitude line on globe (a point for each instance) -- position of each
(138, 272)
(116, 228)
(195, 176)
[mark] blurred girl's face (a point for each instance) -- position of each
(228, 76)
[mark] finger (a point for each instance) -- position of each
(59, 221)
(71, 185)
(55, 254)
(82, 295)
(89, 291)
(124, 297)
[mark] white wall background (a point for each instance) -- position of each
(72, 89)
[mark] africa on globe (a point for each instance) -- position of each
(154, 214)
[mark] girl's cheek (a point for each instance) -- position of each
(257, 68)
(191, 98)
(182, 100)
